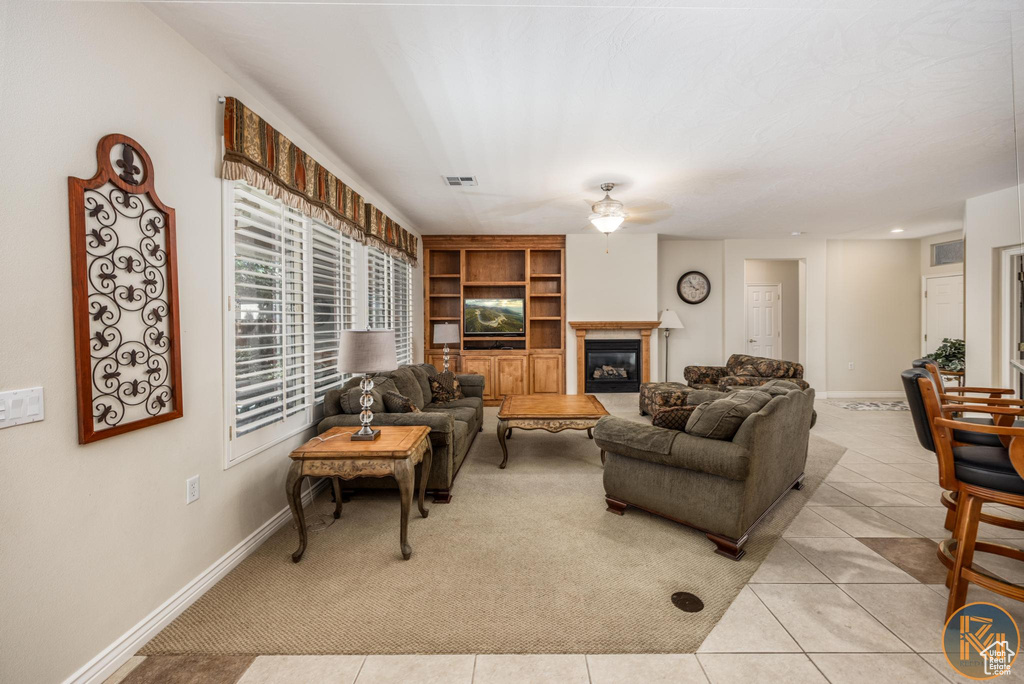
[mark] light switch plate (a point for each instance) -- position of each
(21, 406)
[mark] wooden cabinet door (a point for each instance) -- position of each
(510, 375)
(481, 365)
(546, 373)
(436, 359)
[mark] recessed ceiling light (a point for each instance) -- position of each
(896, 230)
(797, 233)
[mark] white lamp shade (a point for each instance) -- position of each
(446, 333)
(366, 351)
(670, 319)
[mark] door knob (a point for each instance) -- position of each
(751, 340)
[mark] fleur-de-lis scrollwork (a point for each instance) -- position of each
(127, 165)
(154, 250)
(154, 225)
(98, 238)
(130, 293)
(133, 357)
(104, 277)
(100, 340)
(100, 312)
(96, 210)
(149, 282)
(112, 375)
(158, 337)
(160, 401)
(104, 412)
(133, 388)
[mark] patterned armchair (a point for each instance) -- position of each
(743, 370)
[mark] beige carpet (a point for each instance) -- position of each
(524, 560)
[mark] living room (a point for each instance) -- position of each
(494, 342)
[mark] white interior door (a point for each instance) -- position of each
(764, 320)
(943, 310)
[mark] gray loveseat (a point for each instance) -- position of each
(721, 487)
(453, 426)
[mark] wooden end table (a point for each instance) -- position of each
(394, 454)
(551, 412)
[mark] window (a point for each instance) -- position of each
(389, 299)
(951, 252)
(294, 284)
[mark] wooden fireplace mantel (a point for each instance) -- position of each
(643, 327)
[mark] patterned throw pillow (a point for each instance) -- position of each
(445, 387)
(673, 418)
(397, 403)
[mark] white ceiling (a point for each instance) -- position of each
(718, 122)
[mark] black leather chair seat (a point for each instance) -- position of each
(979, 438)
(987, 467)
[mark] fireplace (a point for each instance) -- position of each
(612, 365)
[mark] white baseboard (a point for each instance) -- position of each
(117, 654)
(865, 394)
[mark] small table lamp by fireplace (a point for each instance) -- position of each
(445, 333)
(669, 320)
(366, 352)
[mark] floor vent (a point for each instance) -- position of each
(457, 181)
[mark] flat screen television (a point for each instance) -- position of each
(494, 317)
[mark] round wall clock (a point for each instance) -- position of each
(693, 287)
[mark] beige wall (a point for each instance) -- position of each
(873, 313)
(991, 224)
(787, 273)
(700, 342)
(96, 537)
(609, 280)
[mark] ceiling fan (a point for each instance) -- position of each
(609, 213)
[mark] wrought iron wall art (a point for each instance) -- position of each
(125, 295)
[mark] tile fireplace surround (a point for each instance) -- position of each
(582, 327)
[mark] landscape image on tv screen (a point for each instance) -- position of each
(494, 317)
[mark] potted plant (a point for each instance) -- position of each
(950, 355)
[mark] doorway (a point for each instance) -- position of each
(942, 311)
(764, 320)
(773, 311)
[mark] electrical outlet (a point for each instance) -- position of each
(191, 489)
(850, 366)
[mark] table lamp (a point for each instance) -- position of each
(446, 332)
(366, 352)
(669, 320)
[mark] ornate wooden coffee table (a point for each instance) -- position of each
(551, 412)
(394, 454)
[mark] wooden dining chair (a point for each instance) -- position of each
(995, 397)
(979, 475)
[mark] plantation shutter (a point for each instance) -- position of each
(259, 306)
(297, 329)
(401, 288)
(332, 311)
(378, 290)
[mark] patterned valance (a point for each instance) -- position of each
(385, 233)
(257, 153)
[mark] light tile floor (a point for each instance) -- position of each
(852, 594)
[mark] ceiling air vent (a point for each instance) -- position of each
(460, 181)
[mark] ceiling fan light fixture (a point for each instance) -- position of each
(608, 213)
(607, 224)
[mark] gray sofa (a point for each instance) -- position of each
(453, 426)
(721, 487)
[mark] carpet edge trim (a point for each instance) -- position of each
(107, 661)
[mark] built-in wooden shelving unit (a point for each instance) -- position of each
(501, 267)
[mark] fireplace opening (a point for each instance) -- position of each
(612, 365)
